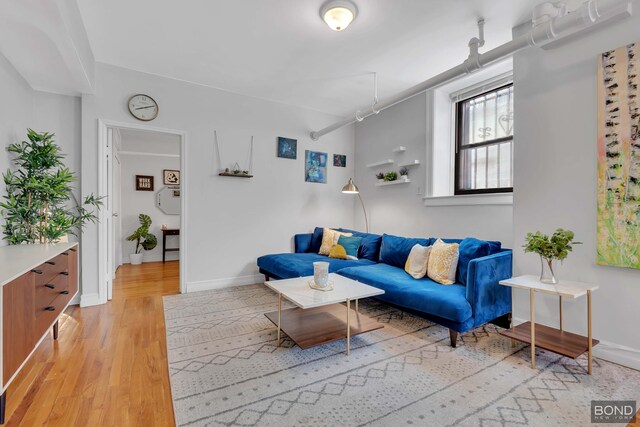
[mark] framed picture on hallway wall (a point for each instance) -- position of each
(144, 182)
(171, 177)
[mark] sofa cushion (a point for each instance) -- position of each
(494, 246)
(351, 244)
(443, 262)
(424, 295)
(316, 240)
(469, 249)
(330, 238)
(370, 245)
(288, 266)
(395, 250)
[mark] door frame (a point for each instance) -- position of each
(104, 275)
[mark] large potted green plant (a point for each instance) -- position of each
(557, 246)
(144, 240)
(39, 206)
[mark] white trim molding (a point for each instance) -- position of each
(499, 199)
(226, 282)
(88, 300)
(140, 153)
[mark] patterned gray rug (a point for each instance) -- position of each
(225, 370)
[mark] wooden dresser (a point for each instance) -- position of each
(38, 282)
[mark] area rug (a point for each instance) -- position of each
(226, 370)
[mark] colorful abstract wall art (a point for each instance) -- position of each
(287, 148)
(618, 235)
(340, 160)
(315, 166)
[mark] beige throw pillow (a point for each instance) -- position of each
(443, 262)
(416, 264)
(329, 238)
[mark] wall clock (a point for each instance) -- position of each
(143, 107)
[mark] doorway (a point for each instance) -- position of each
(141, 173)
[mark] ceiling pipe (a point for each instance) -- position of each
(551, 22)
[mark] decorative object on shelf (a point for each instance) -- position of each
(36, 207)
(321, 273)
(143, 107)
(287, 148)
(557, 247)
(171, 177)
(618, 157)
(236, 171)
(144, 182)
(404, 172)
(380, 176)
(338, 14)
(340, 160)
(315, 167)
(391, 176)
(351, 188)
(144, 240)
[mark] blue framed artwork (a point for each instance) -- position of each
(315, 166)
(340, 160)
(287, 148)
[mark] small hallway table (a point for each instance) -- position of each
(556, 340)
(168, 232)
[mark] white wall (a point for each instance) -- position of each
(555, 184)
(399, 209)
(230, 221)
(21, 107)
(137, 202)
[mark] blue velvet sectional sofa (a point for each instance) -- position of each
(476, 297)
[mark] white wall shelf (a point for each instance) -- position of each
(413, 163)
(398, 181)
(382, 163)
(400, 149)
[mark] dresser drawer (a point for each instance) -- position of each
(46, 315)
(47, 291)
(49, 269)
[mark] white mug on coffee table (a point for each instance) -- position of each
(321, 273)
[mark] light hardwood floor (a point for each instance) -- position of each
(109, 365)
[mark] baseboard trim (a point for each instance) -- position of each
(619, 354)
(75, 300)
(88, 300)
(227, 282)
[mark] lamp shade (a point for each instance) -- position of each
(350, 188)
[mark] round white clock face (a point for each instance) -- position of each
(143, 107)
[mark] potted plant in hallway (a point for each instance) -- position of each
(144, 240)
(39, 206)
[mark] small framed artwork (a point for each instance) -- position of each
(176, 193)
(171, 177)
(340, 160)
(315, 167)
(144, 182)
(287, 148)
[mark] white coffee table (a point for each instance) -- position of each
(320, 317)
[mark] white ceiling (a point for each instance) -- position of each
(281, 50)
(142, 141)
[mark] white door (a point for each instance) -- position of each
(109, 214)
(117, 221)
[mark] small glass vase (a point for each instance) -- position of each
(547, 275)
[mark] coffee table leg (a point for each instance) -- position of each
(589, 332)
(356, 306)
(348, 326)
(279, 309)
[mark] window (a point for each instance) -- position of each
(484, 143)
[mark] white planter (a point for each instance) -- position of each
(136, 259)
(404, 178)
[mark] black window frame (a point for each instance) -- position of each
(459, 148)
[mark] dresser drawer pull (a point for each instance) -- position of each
(65, 292)
(50, 286)
(37, 271)
(65, 273)
(50, 308)
(50, 263)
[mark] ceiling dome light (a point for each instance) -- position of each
(338, 14)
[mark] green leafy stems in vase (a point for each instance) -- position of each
(557, 246)
(39, 206)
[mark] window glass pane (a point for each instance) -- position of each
(486, 167)
(487, 117)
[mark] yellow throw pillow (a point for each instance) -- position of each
(443, 262)
(338, 251)
(416, 264)
(329, 238)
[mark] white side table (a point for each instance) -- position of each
(556, 340)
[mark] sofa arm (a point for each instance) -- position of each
(487, 297)
(302, 242)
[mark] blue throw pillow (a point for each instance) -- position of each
(350, 245)
(370, 245)
(469, 249)
(316, 240)
(395, 250)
